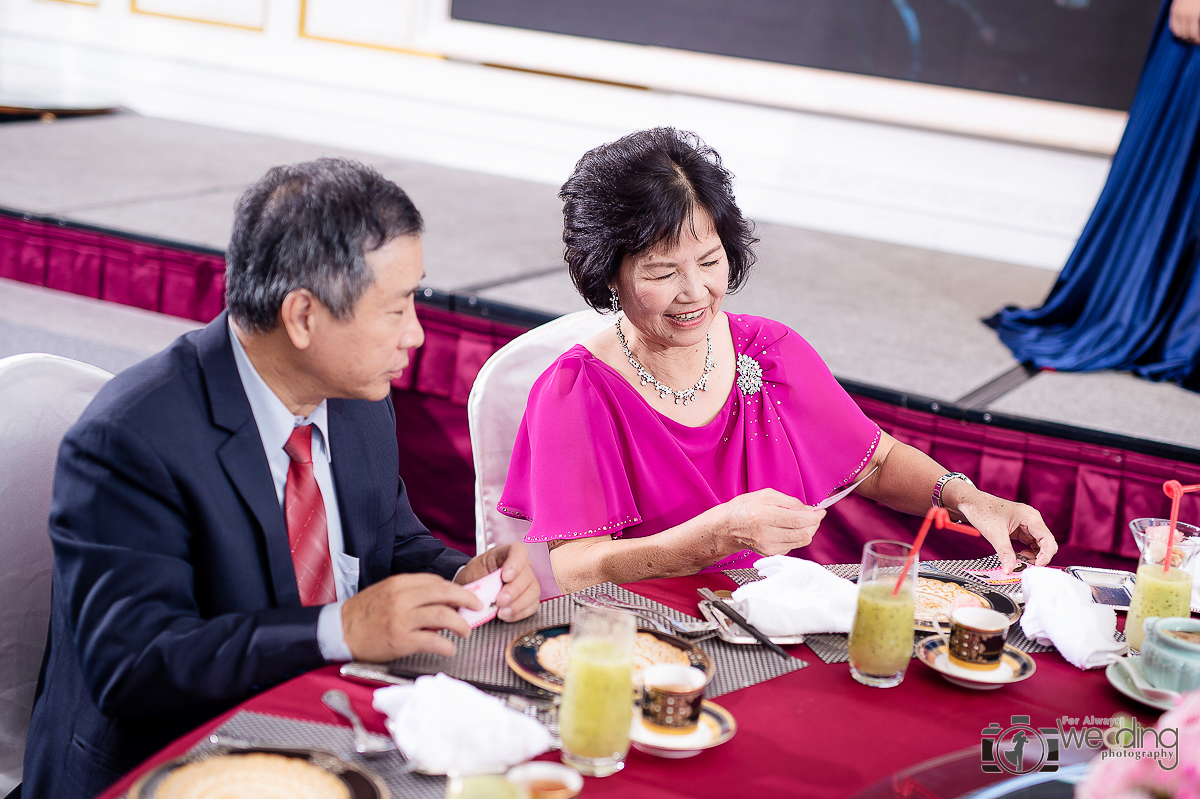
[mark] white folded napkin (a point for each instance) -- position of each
(445, 725)
(1059, 610)
(796, 597)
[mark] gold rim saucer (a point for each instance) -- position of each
(1015, 666)
(1001, 603)
(716, 726)
(521, 655)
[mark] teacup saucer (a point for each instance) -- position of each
(1014, 666)
(715, 728)
(1120, 680)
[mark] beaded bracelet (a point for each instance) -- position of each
(936, 499)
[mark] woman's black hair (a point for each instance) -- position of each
(638, 193)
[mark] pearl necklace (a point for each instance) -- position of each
(687, 395)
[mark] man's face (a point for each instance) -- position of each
(357, 358)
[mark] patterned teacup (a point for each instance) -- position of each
(976, 639)
(671, 698)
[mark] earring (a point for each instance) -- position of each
(615, 302)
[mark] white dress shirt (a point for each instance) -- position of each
(275, 424)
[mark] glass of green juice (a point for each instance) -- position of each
(483, 786)
(881, 639)
(597, 699)
(1164, 581)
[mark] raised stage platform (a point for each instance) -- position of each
(900, 326)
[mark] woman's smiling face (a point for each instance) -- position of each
(671, 294)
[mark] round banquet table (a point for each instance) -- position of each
(813, 732)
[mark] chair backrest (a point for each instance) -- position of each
(494, 411)
(40, 397)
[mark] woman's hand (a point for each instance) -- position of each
(770, 522)
(1185, 20)
(766, 521)
(1003, 522)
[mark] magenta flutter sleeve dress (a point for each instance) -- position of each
(592, 457)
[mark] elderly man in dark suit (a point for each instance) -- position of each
(228, 513)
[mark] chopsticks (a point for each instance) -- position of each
(737, 619)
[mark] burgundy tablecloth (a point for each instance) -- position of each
(812, 733)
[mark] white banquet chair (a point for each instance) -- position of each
(494, 411)
(40, 397)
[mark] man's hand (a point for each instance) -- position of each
(401, 616)
(1185, 20)
(521, 593)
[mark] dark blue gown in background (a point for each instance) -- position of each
(1129, 295)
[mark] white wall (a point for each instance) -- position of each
(374, 75)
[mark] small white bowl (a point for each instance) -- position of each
(569, 782)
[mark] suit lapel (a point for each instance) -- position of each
(352, 476)
(242, 456)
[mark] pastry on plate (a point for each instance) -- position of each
(261, 775)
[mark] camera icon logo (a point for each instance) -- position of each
(1018, 749)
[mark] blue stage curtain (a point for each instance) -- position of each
(1129, 296)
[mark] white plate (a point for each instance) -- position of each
(715, 728)
(1014, 666)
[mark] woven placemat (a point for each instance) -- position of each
(260, 728)
(736, 665)
(833, 647)
(956, 567)
(481, 657)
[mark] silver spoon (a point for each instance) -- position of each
(229, 742)
(694, 631)
(317, 755)
(685, 627)
(1148, 690)
(365, 743)
(592, 602)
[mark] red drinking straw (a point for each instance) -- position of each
(941, 518)
(1175, 490)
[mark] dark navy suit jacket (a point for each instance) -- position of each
(174, 595)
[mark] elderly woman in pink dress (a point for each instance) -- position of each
(684, 439)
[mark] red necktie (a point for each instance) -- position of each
(308, 532)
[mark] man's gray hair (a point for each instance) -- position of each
(310, 226)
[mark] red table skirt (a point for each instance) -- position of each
(811, 733)
(1086, 492)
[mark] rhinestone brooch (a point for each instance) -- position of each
(749, 375)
